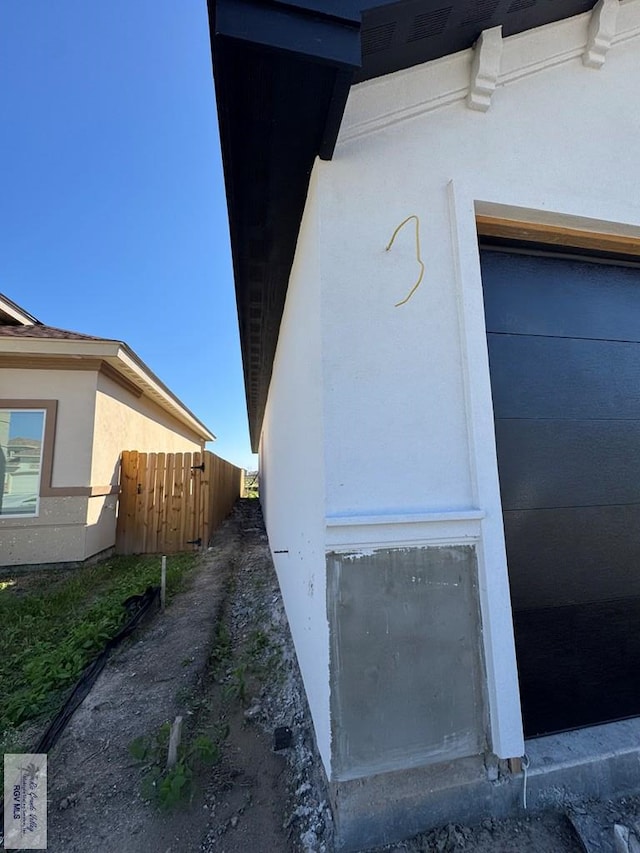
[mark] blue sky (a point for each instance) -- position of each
(26, 425)
(113, 218)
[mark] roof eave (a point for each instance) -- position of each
(121, 358)
(273, 67)
(282, 72)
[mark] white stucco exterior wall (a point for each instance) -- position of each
(408, 423)
(399, 398)
(292, 472)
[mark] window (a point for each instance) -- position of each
(21, 453)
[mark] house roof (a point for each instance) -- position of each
(39, 330)
(12, 314)
(283, 70)
(52, 347)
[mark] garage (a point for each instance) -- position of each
(564, 352)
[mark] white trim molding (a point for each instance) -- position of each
(507, 737)
(346, 533)
(393, 98)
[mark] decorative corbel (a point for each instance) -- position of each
(602, 29)
(485, 69)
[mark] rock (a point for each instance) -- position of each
(621, 838)
(625, 840)
(309, 841)
(234, 821)
(492, 773)
(252, 712)
(69, 800)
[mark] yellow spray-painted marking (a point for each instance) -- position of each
(419, 259)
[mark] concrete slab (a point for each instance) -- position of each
(596, 762)
(590, 764)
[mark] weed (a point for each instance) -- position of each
(237, 685)
(185, 695)
(169, 787)
(258, 642)
(221, 651)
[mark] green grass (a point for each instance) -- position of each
(54, 627)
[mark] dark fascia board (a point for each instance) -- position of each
(283, 70)
(282, 76)
(302, 31)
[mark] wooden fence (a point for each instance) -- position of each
(172, 502)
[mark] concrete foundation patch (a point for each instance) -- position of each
(406, 668)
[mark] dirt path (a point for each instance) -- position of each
(217, 657)
(141, 687)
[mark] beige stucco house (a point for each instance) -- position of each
(69, 405)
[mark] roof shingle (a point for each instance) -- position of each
(41, 331)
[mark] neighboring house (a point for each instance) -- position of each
(69, 405)
(435, 224)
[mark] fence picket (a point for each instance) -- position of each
(149, 544)
(185, 500)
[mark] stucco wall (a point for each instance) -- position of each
(405, 416)
(57, 535)
(75, 391)
(126, 422)
(96, 419)
(58, 532)
(291, 473)
(407, 407)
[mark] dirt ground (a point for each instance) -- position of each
(222, 655)
(254, 799)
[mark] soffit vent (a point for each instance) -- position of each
(519, 5)
(377, 38)
(478, 11)
(429, 24)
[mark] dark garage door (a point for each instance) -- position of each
(564, 353)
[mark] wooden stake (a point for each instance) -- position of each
(515, 765)
(163, 583)
(174, 742)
